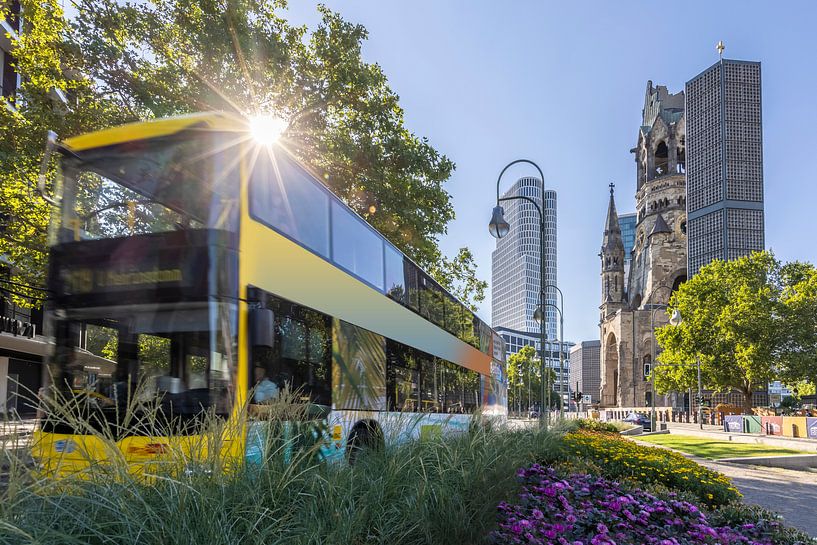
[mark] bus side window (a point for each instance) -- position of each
(300, 360)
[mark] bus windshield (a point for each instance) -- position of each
(144, 273)
(176, 361)
(148, 186)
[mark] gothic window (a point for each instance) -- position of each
(661, 162)
(678, 281)
(681, 153)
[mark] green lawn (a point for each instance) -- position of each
(714, 449)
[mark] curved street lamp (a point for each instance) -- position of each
(561, 346)
(499, 227)
(674, 320)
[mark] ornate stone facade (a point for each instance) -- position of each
(659, 257)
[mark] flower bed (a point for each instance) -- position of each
(590, 510)
(620, 458)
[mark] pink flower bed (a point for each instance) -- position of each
(589, 510)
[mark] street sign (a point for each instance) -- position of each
(587, 398)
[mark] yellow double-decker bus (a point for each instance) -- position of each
(214, 271)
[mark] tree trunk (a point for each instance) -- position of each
(747, 399)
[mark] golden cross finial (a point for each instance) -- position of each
(720, 47)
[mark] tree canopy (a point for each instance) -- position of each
(525, 379)
(737, 317)
(123, 61)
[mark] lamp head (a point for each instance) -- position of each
(498, 226)
(537, 315)
(676, 318)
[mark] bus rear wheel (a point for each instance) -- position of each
(365, 435)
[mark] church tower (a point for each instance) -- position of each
(657, 262)
(612, 262)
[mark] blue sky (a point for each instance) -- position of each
(563, 84)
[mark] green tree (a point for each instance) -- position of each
(798, 350)
(53, 71)
(731, 321)
(120, 61)
(343, 118)
(525, 380)
(459, 277)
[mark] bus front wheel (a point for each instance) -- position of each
(365, 435)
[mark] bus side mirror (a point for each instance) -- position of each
(50, 146)
(262, 327)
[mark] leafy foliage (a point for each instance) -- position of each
(53, 69)
(524, 376)
(124, 61)
(344, 120)
(745, 323)
(798, 352)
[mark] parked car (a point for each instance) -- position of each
(639, 420)
(533, 412)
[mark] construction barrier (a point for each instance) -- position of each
(733, 423)
(794, 426)
(751, 424)
(772, 425)
(811, 425)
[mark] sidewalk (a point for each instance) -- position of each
(788, 492)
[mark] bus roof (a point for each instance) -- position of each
(141, 130)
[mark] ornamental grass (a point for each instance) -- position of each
(438, 490)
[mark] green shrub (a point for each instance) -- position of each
(737, 514)
(620, 458)
(598, 425)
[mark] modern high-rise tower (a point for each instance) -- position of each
(516, 276)
(724, 163)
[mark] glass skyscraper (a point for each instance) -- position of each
(724, 139)
(627, 224)
(515, 275)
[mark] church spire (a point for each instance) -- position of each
(612, 230)
(612, 261)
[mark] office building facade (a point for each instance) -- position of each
(585, 369)
(627, 223)
(515, 273)
(725, 163)
(9, 28)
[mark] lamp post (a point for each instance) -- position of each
(561, 342)
(656, 306)
(700, 394)
(499, 227)
(674, 320)
(539, 317)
